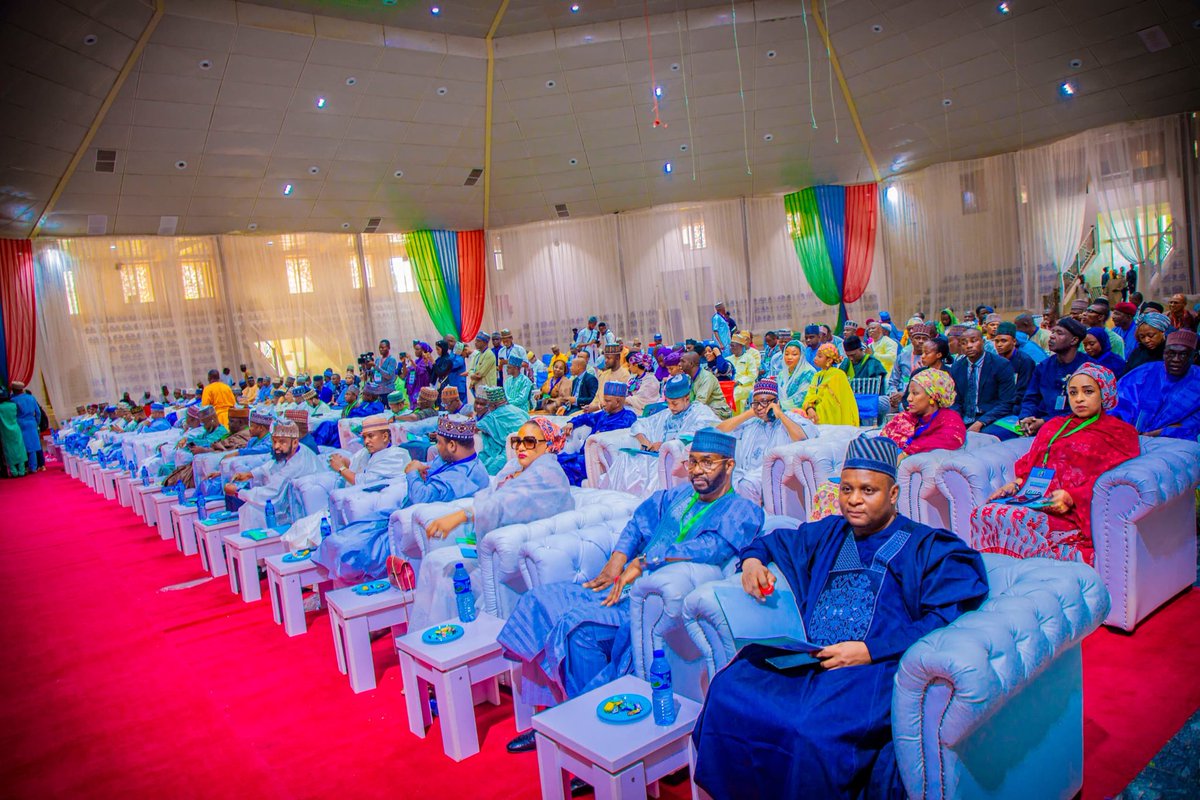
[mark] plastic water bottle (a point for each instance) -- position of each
(462, 594)
(180, 491)
(201, 503)
(269, 513)
(145, 477)
(326, 529)
(662, 697)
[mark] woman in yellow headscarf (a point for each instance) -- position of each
(830, 400)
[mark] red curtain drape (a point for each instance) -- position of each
(20, 314)
(472, 281)
(862, 217)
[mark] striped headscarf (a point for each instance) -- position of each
(555, 438)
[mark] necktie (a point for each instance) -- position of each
(972, 391)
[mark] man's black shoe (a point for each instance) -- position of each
(523, 743)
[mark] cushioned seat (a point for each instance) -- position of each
(920, 498)
(792, 473)
(1143, 517)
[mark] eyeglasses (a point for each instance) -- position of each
(762, 403)
(704, 464)
(524, 442)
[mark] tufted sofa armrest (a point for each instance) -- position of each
(968, 477)
(951, 681)
(600, 450)
(672, 458)
(406, 527)
(789, 477)
(569, 557)
(346, 438)
(1143, 527)
(919, 496)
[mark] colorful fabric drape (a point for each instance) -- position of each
(19, 310)
(452, 278)
(833, 231)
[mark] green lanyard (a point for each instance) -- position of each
(686, 525)
(1054, 438)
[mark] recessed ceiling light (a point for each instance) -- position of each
(314, 169)
(91, 39)
(1068, 89)
(588, 38)
(667, 168)
(1076, 63)
(675, 67)
(398, 173)
(320, 102)
(435, 10)
(287, 189)
(683, 148)
(573, 162)
(180, 165)
(351, 80)
(947, 102)
(550, 84)
(877, 28)
(658, 91)
(112, 247)
(771, 54)
(206, 64)
(442, 91)
(575, 8)
(1003, 9)
(345, 225)
(269, 243)
(253, 226)
(768, 137)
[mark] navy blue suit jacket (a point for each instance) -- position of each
(997, 396)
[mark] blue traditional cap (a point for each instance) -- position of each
(456, 427)
(658, 337)
(157, 407)
(395, 397)
(496, 396)
(809, 330)
(206, 412)
(615, 389)
(513, 361)
(677, 386)
(279, 393)
(298, 391)
(885, 316)
(711, 440)
(592, 319)
(260, 418)
(482, 337)
(874, 453)
(328, 372)
(110, 409)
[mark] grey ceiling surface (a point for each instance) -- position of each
(220, 113)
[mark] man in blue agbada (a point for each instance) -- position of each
(612, 416)
(359, 551)
(572, 638)
(869, 583)
(1162, 398)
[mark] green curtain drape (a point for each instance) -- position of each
(804, 224)
(431, 284)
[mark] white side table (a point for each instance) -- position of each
(141, 501)
(242, 559)
(210, 542)
(619, 761)
(452, 669)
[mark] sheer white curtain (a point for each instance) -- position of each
(297, 301)
(1136, 172)
(397, 312)
(1052, 199)
(546, 278)
(680, 260)
(117, 315)
(951, 237)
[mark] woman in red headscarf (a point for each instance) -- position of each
(1069, 453)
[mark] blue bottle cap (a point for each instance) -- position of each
(659, 654)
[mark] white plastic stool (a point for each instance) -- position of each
(453, 669)
(242, 557)
(286, 581)
(210, 543)
(354, 618)
(182, 530)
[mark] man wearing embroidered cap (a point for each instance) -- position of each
(571, 638)
(762, 426)
(299, 417)
(496, 420)
(613, 372)
(517, 386)
(868, 583)
(612, 416)
(200, 440)
(397, 403)
(426, 406)
(1163, 398)
(273, 479)
(157, 421)
(359, 550)
(481, 367)
(637, 473)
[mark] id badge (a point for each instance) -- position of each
(1033, 493)
(1060, 403)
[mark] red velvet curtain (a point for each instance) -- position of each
(472, 281)
(862, 218)
(17, 299)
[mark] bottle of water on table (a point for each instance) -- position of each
(269, 514)
(462, 593)
(180, 491)
(145, 477)
(326, 529)
(201, 502)
(662, 696)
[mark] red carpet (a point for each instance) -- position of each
(113, 687)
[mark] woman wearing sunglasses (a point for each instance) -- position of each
(531, 486)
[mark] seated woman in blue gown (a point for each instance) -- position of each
(868, 583)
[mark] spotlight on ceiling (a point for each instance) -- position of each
(667, 168)
(253, 226)
(320, 102)
(575, 8)
(1068, 89)
(90, 39)
(287, 189)
(658, 92)
(1003, 9)
(435, 10)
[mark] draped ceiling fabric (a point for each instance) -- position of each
(19, 309)
(833, 230)
(451, 277)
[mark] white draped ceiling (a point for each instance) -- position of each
(121, 314)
